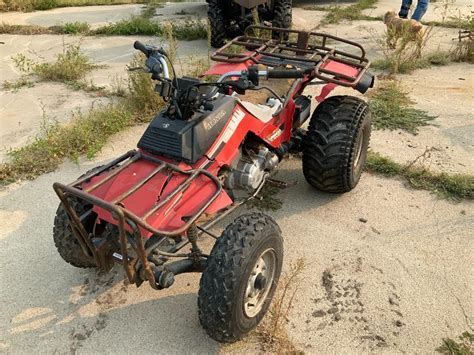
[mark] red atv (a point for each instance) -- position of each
(210, 151)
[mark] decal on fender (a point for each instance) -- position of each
(237, 117)
(275, 134)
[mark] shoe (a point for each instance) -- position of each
(403, 12)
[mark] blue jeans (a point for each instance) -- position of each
(420, 10)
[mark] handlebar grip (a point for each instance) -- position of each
(141, 47)
(285, 73)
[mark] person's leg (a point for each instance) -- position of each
(420, 10)
(405, 8)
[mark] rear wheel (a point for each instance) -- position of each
(282, 14)
(240, 278)
(216, 17)
(335, 145)
(66, 243)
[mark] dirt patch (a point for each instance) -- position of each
(345, 303)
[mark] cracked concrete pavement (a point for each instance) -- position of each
(389, 268)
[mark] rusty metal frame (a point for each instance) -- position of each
(123, 216)
(302, 51)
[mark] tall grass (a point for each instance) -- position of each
(187, 30)
(31, 5)
(87, 132)
(352, 12)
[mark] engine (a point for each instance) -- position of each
(249, 170)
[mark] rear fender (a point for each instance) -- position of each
(336, 67)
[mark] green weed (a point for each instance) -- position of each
(392, 109)
(85, 134)
(353, 12)
(73, 28)
(389, 63)
(451, 186)
(463, 346)
(31, 5)
(266, 200)
(70, 65)
(14, 86)
(24, 29)
(187, 30)
(136, 25)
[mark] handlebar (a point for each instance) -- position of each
(142, 48)
(286, 73)
(148, 49)
(155, 63)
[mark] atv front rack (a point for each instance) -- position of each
(126, 219)
(274, 46)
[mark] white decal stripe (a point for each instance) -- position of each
(237, 117)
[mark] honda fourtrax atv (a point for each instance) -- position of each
(212, 150)
(229, 18)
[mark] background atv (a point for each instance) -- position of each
(211, 150)
(230, 18)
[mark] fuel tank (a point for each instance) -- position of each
(187, 140)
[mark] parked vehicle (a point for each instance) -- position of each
(211, 150)
(228, 19)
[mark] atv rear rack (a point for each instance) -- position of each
(126, 219)
(274, 46)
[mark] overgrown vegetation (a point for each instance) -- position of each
(187, 30)
(403, 49)
(451, 186)
(26, 29)
(271, 331)
(394, 65)
(392, 109)
(86, 133)
(353, 12)
(453, 22)
(31, 5)
(464, 345)
(464, 48)
(24, 81)
(70, 65)
(73, 28)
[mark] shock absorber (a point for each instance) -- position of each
(192, 237)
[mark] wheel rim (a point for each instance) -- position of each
(358, 150)
(259, 283)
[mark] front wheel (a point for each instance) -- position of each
(240, 278)
(335, 145)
